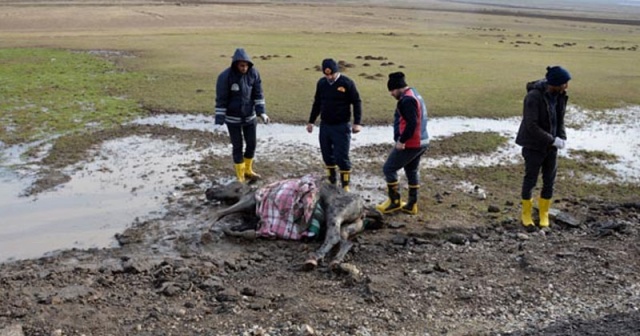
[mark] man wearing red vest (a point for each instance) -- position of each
(411, 141)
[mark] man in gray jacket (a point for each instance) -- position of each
(239, 101)
(541, 134)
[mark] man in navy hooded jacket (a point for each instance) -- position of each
(239, 101)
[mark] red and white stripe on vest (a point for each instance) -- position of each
(420, 136)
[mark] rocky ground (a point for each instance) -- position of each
(179, 276)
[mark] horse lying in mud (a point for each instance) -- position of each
(301, 203)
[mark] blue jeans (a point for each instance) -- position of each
(335, 141)
(533, 162)
(409, 159)
(238, 132)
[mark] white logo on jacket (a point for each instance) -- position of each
(235, 87)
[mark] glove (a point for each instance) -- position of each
(558, 143)
(265, 118)
(220, 119)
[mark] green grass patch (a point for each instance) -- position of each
(458, 74)
(470, 65)
(44, 92)
(467, 143)
(503, 182)
(593, 157)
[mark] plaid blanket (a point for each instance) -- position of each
(285, 208)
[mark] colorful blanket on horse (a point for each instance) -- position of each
(285, 208)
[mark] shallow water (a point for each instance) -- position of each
(613, 131)
(131, 177)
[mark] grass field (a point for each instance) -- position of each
(463, 63)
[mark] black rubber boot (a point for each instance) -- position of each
(332, 174)
(412, 204)
(393, 203)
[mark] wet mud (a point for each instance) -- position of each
(176, 273)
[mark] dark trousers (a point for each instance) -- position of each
(335, 141)
(409, 159)
(533, 162)
(238, 132)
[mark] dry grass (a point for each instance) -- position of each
(455, 59)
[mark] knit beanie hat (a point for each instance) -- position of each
(557, 75)
(329, 66)
(396, 81)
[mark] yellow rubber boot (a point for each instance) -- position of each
(527, 207)
(393, 203)
(345, 177)
(544, 205)
(239, 172)
(412, 203)
(248, 170)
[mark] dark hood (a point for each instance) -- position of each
(241, 55)
(540, 85)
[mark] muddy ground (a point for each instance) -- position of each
(452, 270)
(455, 274)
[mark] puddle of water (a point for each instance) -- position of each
(615, 131)
(129, 178)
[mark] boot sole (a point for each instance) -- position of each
(386, 212)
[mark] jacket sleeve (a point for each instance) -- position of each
(409, 112)
(562, 132)
(315, 108)
(357, 104)
(257, 95)
(222, 93)
(531, 119)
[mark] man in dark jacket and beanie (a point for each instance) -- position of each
(541, 134)
(411, 141)
(335, 94)
(239, 101)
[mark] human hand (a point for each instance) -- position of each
(220, 119)
(399, 145)
(356, 129)
(558, 143)
(265, 118)
(309, 128)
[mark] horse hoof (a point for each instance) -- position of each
(310, 265)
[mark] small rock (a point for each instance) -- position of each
(351, 270)
(440, 268)
(396, 225)
(248, 291)
(57, 332)
(565, 254)
(567, 219)
(12, 330)
(171, 289)
(136, 266)
(228, 295)
(493, 209)
(420, 241)
(231, 265)
(307, 331)
(213, 283)
(474, 238)
(458, 239)
(522, 236)
(399, 240)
